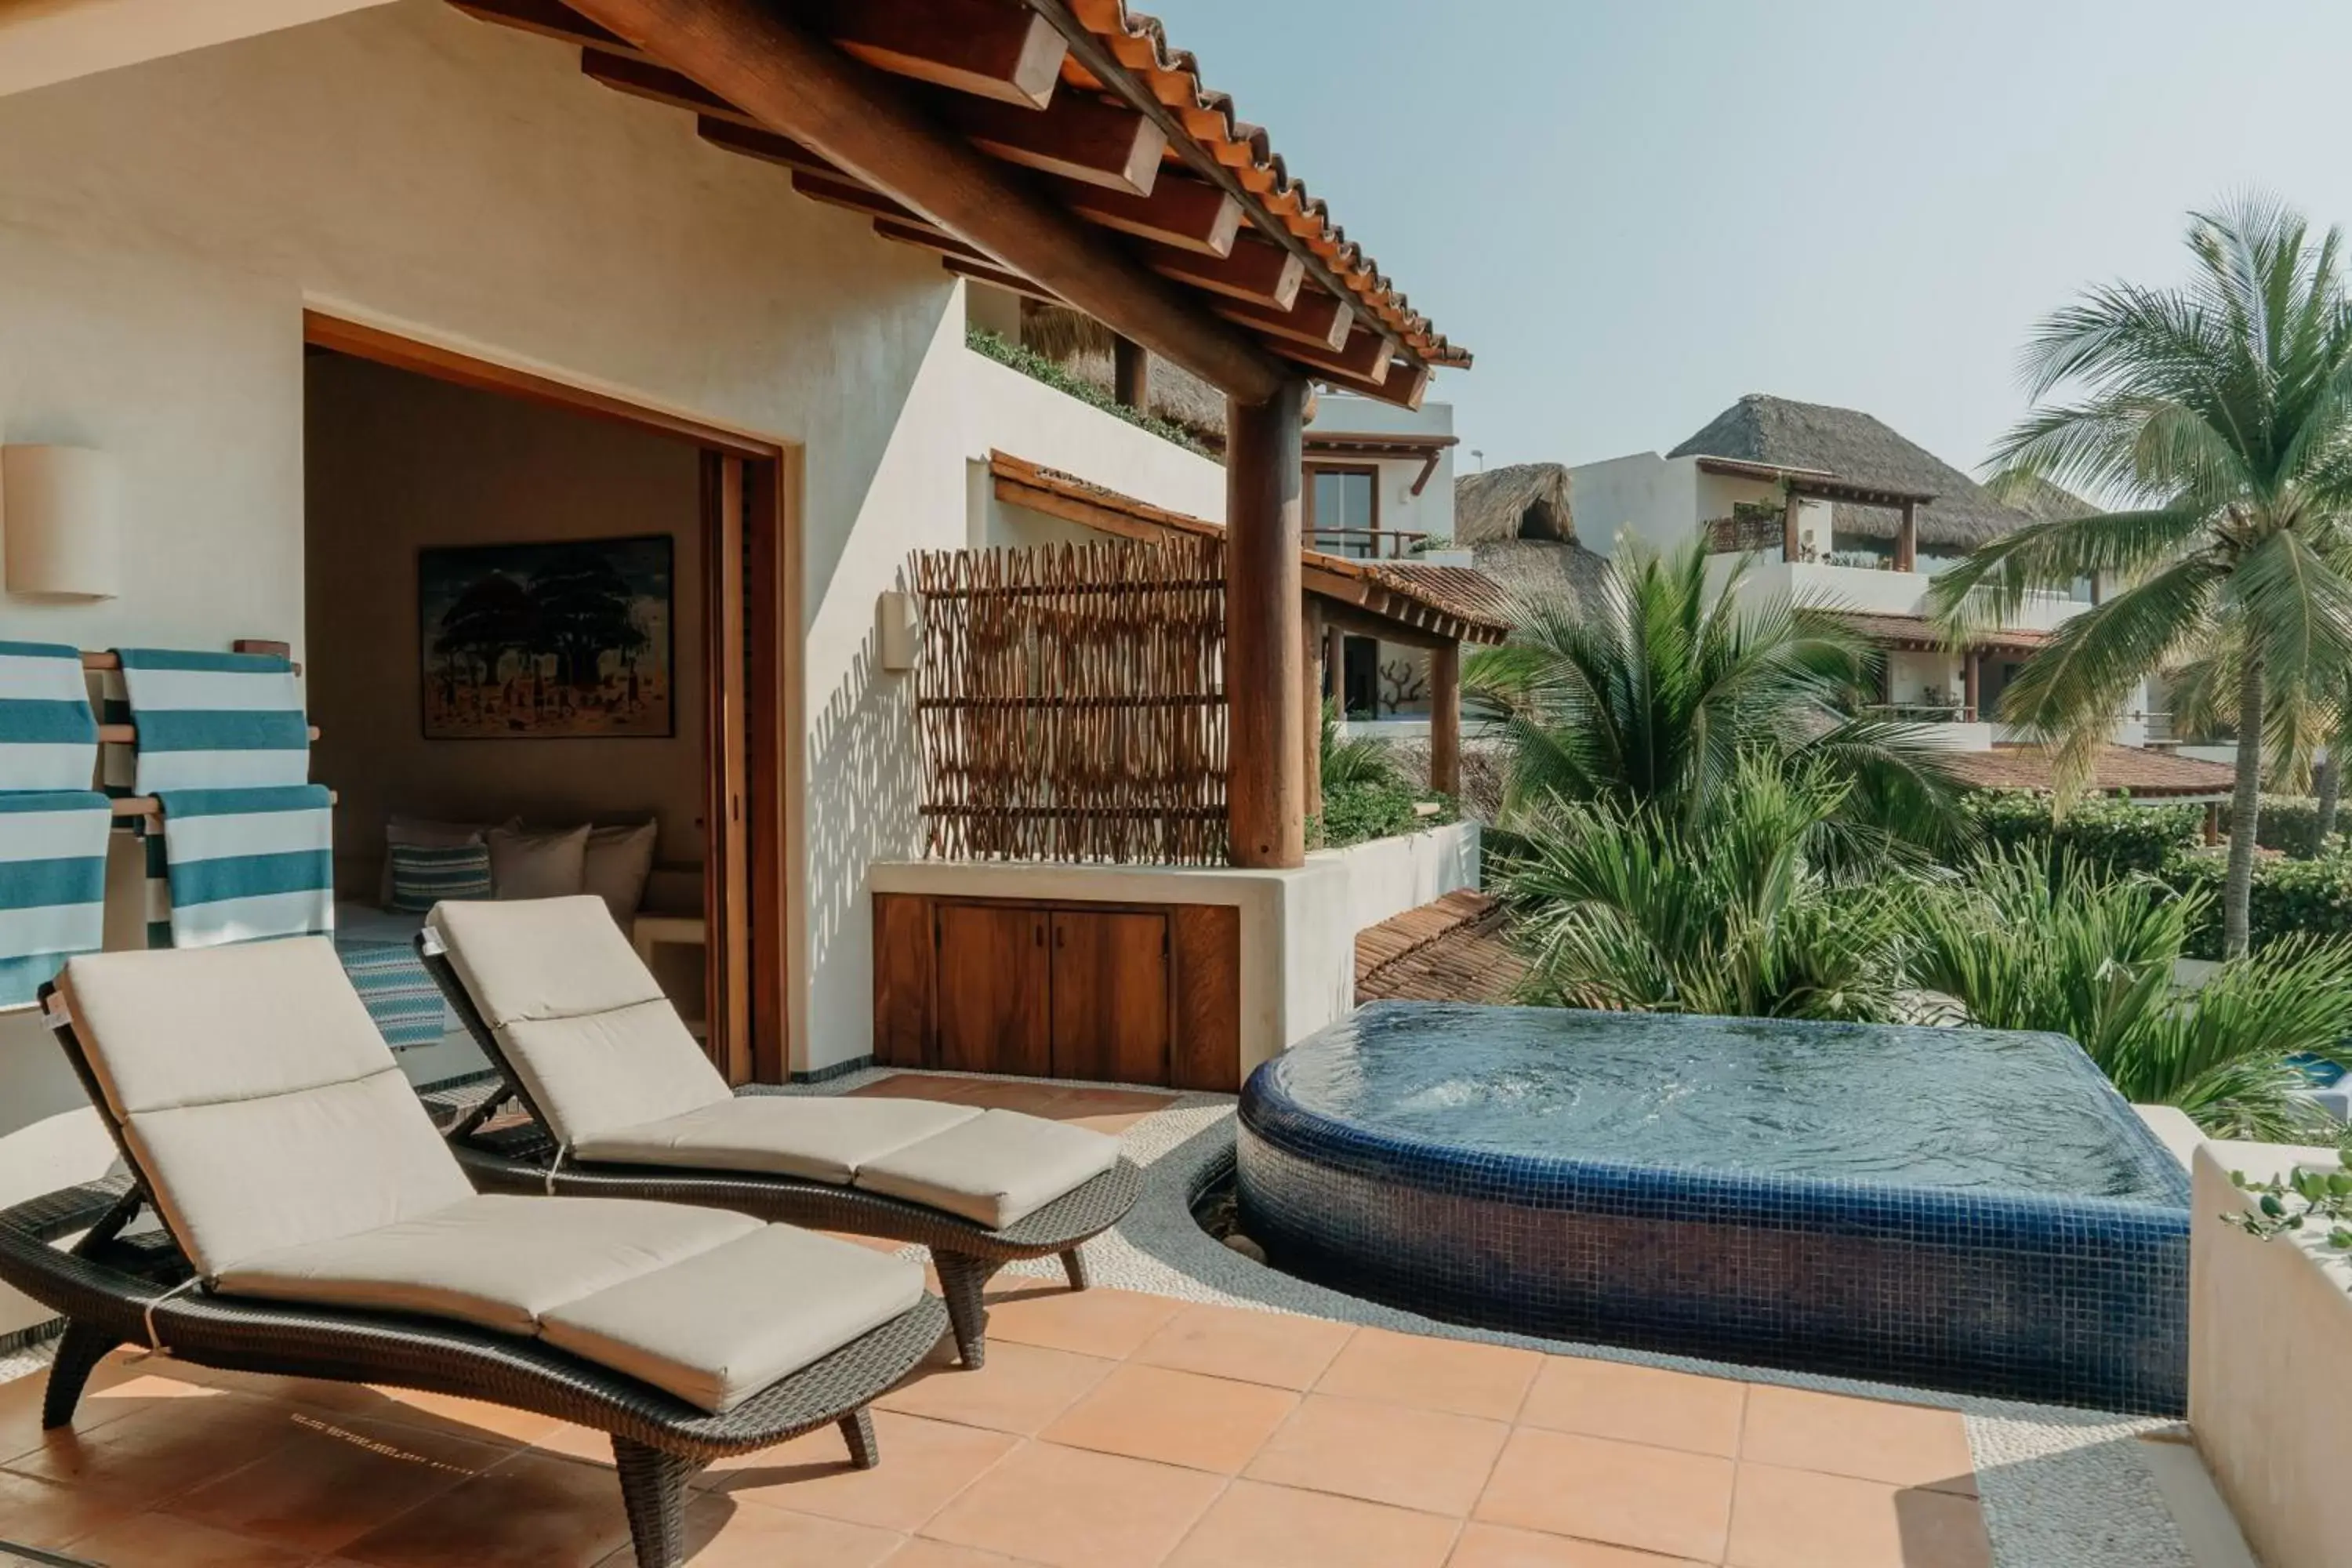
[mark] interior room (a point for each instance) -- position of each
(506, 666)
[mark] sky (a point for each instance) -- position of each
(1634, 211)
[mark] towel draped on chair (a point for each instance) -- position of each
(53, 825)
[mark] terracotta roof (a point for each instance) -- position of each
(1917, 631)
(1174, 75)
(1458, 602)
(2140, 770)
(1454, 950)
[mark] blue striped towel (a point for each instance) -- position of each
(215, 720)
(49, 736)
(244, 864)
(52, 884)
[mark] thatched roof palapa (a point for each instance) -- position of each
(1861, 452)
(1520, 501)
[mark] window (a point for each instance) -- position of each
(1342, 502)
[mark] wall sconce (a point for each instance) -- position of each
(61, 521)
(900, 638)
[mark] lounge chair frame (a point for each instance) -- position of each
(524, 1159)
(114, 1290)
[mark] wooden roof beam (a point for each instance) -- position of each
(1256, 272)
(1315, 319)
(1365, 356)
(987, 47)
(1080, 138)
(765, 146)
(848, 113)
(638, 76)
(850, 197)
(1185, 213)
(997, 277)
(1405, 384)
(548, 19)
(923, 236)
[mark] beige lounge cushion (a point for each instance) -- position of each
(255, 1093)
(816, 1138)
(500, 1262)
(583, 1022)
(730, 1322)
(994, 1169)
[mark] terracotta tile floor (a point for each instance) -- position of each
(1108, 1430)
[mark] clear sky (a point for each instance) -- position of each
(1633, 211)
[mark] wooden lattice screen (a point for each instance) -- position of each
(1071, 699)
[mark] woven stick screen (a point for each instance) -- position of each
(1071, 703)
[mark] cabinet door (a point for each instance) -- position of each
(1110, 996)
(990, 997)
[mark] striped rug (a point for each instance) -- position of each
(244, 864)
(215, 720)
(408, 1007)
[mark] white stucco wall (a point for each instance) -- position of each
(164, 225)
(46, 41)
(1653, 499)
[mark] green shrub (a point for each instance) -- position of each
(2115, 835)
(2286, 823)
(1356, 811)
(2310, 896)
(1037, 367)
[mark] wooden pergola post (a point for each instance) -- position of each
(1310, 673)
(1130, 367)
(1970, 680)
(1445, 718)
(1265, 790)
(1789, 528)
(1907, 538)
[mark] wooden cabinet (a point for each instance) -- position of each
(1122, 992)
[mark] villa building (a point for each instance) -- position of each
(1835, 510)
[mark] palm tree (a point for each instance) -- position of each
(1761, 908)
(2222, 412)
(1656, 690)
(2025, 942)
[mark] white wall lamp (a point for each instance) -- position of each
(900, 631)
(61, 521)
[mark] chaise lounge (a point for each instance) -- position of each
(316, 1225)
(623, 1103)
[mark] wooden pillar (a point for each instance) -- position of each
(1310, 672)
(1907, 538)
(1970, 677)
(1266, 795)
(1788, 529)
(1131, 368)
(2212, 823)
(1445, 718)
(1335, 666)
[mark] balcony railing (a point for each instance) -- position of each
(1367, 543)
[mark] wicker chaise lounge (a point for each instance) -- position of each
(315, 1225)
(623, 1103)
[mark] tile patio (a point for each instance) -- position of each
(1111, 1429)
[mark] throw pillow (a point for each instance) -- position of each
(619, 860)
(527, 864)
(435, 835)
(423, 875)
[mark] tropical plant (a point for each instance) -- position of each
(2222, 413)
(1354, 759)
(1766, 905)
(2028, 940)
(1656, 692)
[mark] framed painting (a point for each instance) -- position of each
(572, 640)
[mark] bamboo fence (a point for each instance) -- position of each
(1071, 701)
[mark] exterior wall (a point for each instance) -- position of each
(2270, 1356)
(1653, 499)
(163, 227)
(1429, 513)
(1299, 928)
(46, 41)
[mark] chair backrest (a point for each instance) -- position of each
(578, 1016)
(254, 1094)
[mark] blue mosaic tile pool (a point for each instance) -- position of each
(1956, 1209)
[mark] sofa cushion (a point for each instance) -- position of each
(616, 866)
(720, 1326)
(994, 1169)
(257, 1095)
(500, 1262)
(817, 1138)
(525, 863)
(582, 1020)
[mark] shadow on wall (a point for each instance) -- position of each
(863, 805)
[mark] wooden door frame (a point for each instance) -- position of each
(766, 682)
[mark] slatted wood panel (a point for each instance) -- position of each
(1072, 704)
(1110, 996)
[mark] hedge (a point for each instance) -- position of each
(1356, 813)
(2287, 822)
(2118, 834)
(2312, 896)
